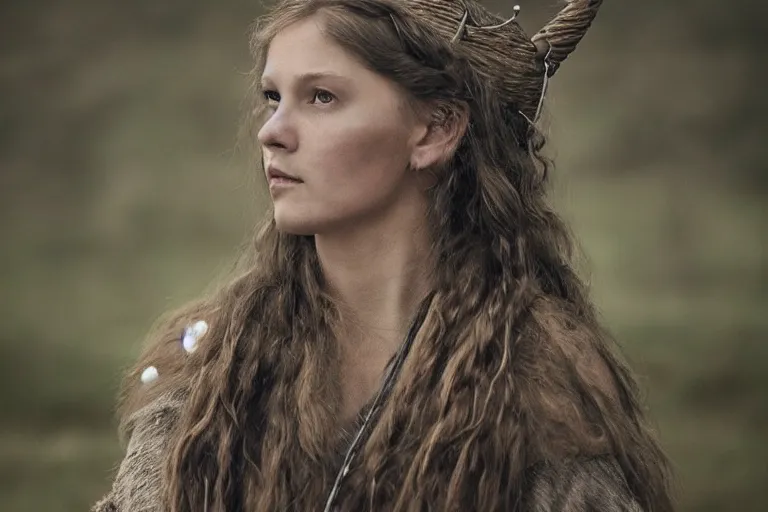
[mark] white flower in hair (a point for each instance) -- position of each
(149, 375)
(192, 335)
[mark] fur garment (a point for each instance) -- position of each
(589, 484)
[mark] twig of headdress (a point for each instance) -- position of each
(465, 18)
(553, 43)
(462, 29)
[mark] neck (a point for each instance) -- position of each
(378, 274)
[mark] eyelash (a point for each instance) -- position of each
(268, 95)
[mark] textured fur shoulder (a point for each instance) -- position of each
(581, 485)
(138, 484)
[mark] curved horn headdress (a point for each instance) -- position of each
(560, 36)
(494, 46)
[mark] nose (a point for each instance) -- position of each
(278, 132)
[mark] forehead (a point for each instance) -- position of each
(302, 49)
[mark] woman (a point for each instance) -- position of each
(406, 332)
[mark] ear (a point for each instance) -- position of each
(439, 135)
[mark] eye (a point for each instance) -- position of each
(324, 97)
(271, 95)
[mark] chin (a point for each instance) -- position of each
(293, 220)
(295, 226)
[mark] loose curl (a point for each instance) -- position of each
(510, 369)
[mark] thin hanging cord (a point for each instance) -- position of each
(205, 498)
(543, 90)
(379, 401)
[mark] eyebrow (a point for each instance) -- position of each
(309, 76)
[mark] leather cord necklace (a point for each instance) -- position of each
(378, 402)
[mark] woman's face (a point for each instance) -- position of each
(340, 129)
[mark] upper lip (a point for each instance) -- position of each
(274, 172)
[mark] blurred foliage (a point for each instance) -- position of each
(121, 195)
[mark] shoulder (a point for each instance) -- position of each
(594, 483)
(169, 362)
(570, 383)
(138, 483)
(154, 396)
(589, 442)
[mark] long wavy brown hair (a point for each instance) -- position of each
(510, 368)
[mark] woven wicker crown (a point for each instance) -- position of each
(512, 62)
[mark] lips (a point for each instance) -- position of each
(275, 173)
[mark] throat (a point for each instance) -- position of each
(361, 377)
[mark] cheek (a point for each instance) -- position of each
(354, 167)
(360, 155)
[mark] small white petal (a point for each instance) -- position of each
(192, 333)
(149, 375)
(189, 341)
(199, 328)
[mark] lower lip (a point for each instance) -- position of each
(280, 182)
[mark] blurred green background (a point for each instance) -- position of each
(121, 195)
